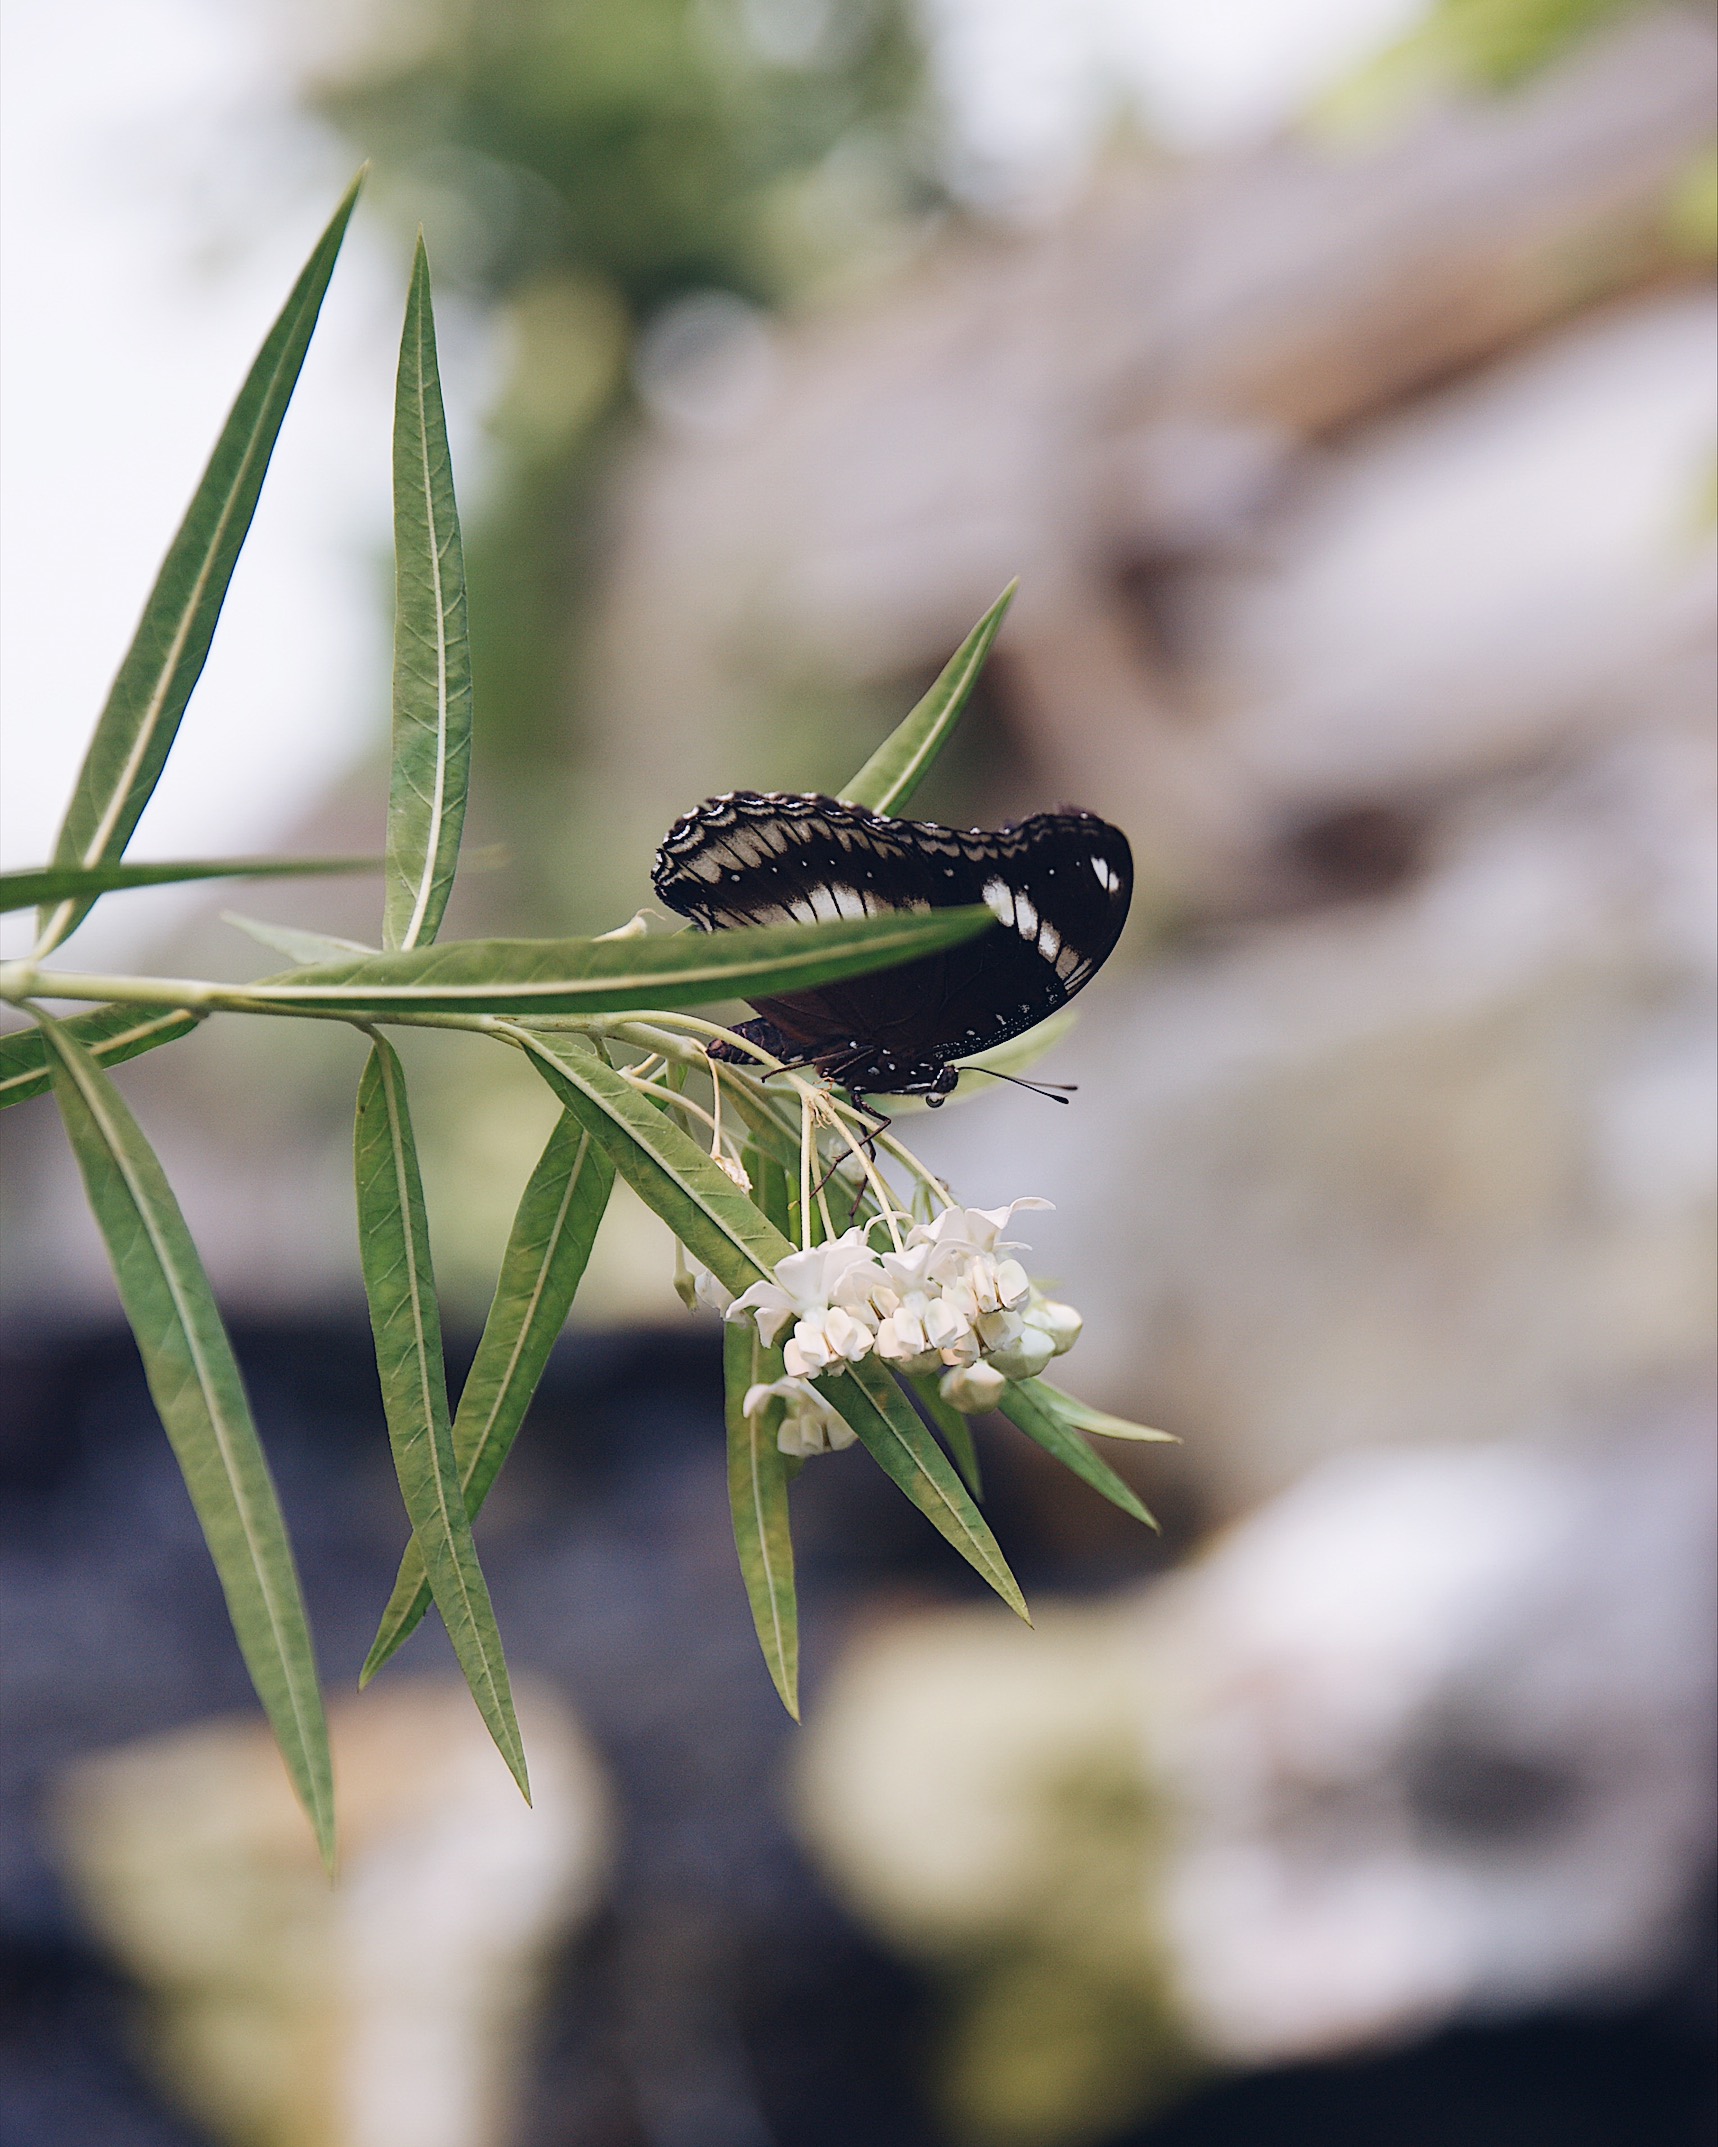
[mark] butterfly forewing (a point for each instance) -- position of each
(1059, 885)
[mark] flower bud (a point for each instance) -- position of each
(946, 1326)
(1060, 1322)
(972, 1388)
(1013, 1284)
(996, 1330)
(1025, 1356)
(709, 1292)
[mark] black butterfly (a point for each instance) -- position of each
(1059, 883)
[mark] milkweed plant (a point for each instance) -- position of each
(861, 1301)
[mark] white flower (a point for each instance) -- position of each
(1060, 1322)
(972, 1388)
(912, 1334)
(827, 1336)
(963, 1346)
(977, 1229)
(951, 1298)
(998, 1330)
(1022, 1354)
(808, 1426)
(807, 1284)
(965, 1253)
(909, 1269)
(709, 1292)
(997, 1285)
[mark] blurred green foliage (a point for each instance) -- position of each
(1503, 42)
(1486, 44)
(585, 164)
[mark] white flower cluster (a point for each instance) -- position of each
(949, 1298)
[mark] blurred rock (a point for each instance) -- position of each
(1439, 1730)
(1429, 1737)
(1118, 400)
(1435, 1165)
(387, 2009)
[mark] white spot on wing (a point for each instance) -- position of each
(999, 899)
(1025, 917)
(1049, 941)
(1106, 873)
(1067, 962)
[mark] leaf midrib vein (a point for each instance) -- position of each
(421, 1349)
(95, 1105)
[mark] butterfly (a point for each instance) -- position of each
(1058, 883)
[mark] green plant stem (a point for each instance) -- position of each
(671, 1034)
(24, 980)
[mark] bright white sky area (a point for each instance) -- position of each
(159, 194)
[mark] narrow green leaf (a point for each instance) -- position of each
(54, 883)
(607, 976)
(168, 650)
(292, 941)
(757, 1494)
(1086, 1418)
(200, 1394)
(110, 1034)
(432, 653)
(393, 1233)
(700, 1203)
(901, 1446)
(956, 1431)
(888, 779)
(1040, 1422)
(771, 1189)
(540, 1273)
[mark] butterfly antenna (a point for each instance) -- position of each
(1057, 1091)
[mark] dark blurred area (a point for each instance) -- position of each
(721, 1993)
(1339, 383)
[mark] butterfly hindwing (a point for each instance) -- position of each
(1059, 885)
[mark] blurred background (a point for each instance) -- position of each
(1338, 377)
